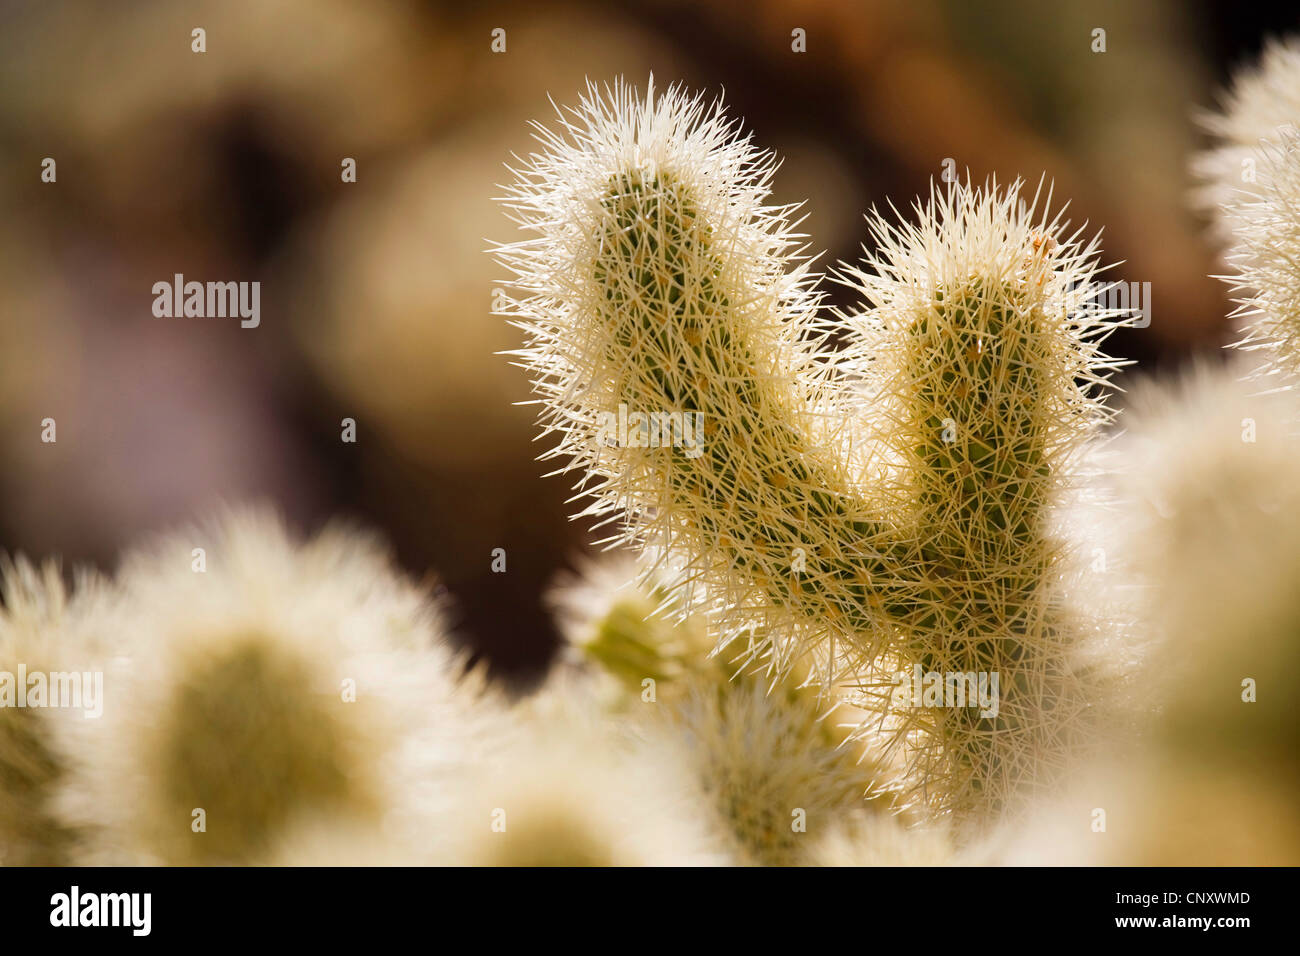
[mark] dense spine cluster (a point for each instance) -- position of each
(884, 505)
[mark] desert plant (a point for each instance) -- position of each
(45, 627)
(1263, 98)
(1211, 485)
(276, 685)
(1251, 184)
(1266, 235)
(769, 760)
(876, 509)
(1209, 505)
(567, 792)
(1210, 511)
(631, 634)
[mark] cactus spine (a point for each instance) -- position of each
(876, 507)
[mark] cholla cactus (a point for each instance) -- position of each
(769, 762)
(30, 772)
(897, 521)
(632, 632)
(1252, 184)
(981, 350)
(564, 794)
(280, 685)
(1267, 257)
(1212, 485)
(44, 628)
(1212, 513)
(328, 841)
(1264, 98)
(774, 767)
(878, 840)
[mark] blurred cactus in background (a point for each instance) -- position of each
(1264, 99)
(1211, 488)
(887, 503)
(1266, 254)
(633, 636)
(1252, 184)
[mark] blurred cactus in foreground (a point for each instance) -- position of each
(35, 758)
(1212, 516)
(566, 794)
(254, 684)
(885, 841)
(773, 766)
(889, 504)
(1216, 486)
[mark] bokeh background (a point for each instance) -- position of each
(376, 295)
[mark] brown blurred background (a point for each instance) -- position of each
(376, 295)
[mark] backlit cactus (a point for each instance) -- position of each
(565, 793)
(630, 633)
(883, 506)
(280, 685)
(980, 350)
(1251, 183)
(37, 610)
(1266, 254)
(1213, 485)
(1263, 99)
(770, 763)
(774, 768)
(1211, 514)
